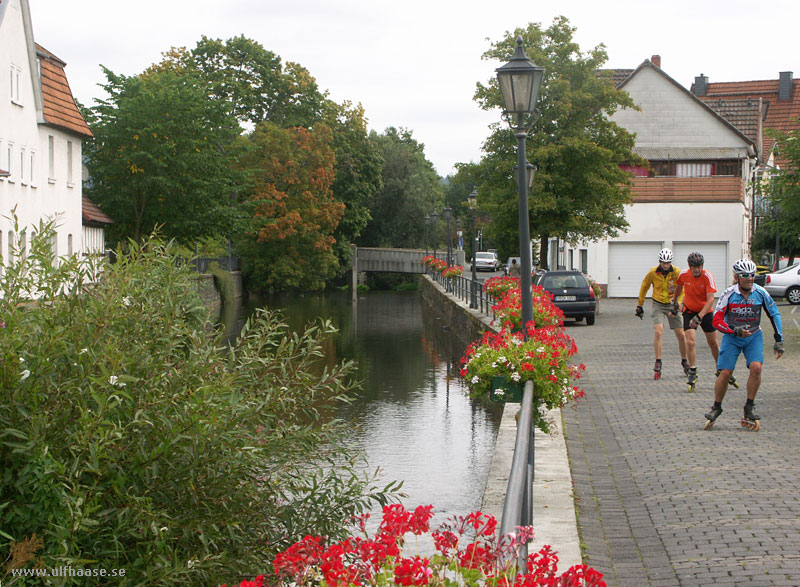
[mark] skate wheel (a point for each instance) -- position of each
(752, 425)
(709, 425)
(656, 375)
(691, 387)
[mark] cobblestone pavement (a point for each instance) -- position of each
(660, 500)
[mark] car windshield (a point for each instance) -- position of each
(550, 281)
(485, 256)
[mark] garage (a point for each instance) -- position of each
(716, 260)
(628, 263)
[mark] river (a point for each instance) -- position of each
(413, 419)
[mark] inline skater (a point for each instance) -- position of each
(698, 287)
(662, 278)
(738, 316)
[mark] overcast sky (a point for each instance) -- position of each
(415, 63)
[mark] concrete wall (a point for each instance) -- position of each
(464, 323)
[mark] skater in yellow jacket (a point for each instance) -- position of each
(662, 279)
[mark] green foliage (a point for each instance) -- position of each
(289, 241)
(782, 197)
(411, 189)
(579, 189)
(129, 440)
(160, 157)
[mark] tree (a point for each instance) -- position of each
(290, 240)
(579, 190)
(357, 173)
(411, 189)
(784, 199)
(159, 157)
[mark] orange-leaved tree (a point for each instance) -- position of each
(294, 215)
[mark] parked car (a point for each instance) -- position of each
(785, 283)
(571, 293)
(486, 261)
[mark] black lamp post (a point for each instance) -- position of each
(472, 202)
(448, 214)
(435, 217)
(519, 81)
(427, 223)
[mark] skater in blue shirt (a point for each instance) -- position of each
(738, 317)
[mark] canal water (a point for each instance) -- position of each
(413, 419)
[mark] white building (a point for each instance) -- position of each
(693, 197)
(41, 131)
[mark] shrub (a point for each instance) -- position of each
(129, 439)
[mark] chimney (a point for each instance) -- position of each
(700, 85)
(656, 60)
(785, 86)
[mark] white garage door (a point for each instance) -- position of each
(716, 260)
(628, 263)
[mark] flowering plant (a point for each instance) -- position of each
(434, 263)
(452, 272)
(598, 291)
(469, 551)
(545, 313)
(498, 286)
(543, 359)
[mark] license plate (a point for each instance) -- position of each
(565, 298)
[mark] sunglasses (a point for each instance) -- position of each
(747, 275)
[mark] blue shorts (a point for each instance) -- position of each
(752, 346)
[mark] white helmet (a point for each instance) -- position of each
(744, 266)
(665, 256)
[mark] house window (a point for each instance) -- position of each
(15, 75)
(12, 243)
(693, 169)
(2, 166)
(69, 163)
(584, 260)
(51, 158)
(69, 245)
(10, 161)
(33, 169)
(22, 177)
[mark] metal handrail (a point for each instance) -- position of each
(461, 288)
(518, 505)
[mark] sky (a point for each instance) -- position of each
(415, 64)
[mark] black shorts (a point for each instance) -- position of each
(707, 324)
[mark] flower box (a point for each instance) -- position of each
(505, 391)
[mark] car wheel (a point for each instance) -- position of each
(590, 320)
(793, 295)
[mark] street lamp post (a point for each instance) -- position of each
(448, 214)
(472, 202)
(435, 217)
(519, 82)
(427, 223)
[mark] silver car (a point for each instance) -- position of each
(785, 283)
(485, 261)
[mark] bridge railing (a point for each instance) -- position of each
(462, 288)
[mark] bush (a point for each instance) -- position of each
(130, 440)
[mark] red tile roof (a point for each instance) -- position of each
(92, 214)
(59, 105)
(781, 115)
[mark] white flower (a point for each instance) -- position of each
(515, 376)
(476, 379)
(163, 529)
(83, 351)
(540, 349)
(22, 359)
(191, 563)
(114, 380)
(502, 359)
(24, 375)
(494, 365)
(126, 301)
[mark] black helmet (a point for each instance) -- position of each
(695, 259)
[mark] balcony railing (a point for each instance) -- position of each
(688, 189)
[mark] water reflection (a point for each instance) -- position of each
(413, 418)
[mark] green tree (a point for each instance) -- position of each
(411, 189)
(160, 157)
(290, 239)
(579, 190)
(783, 197)
(357, 173)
